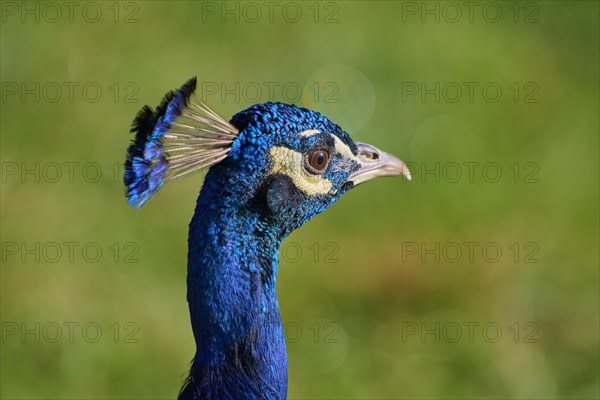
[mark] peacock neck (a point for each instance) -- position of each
(232, 270)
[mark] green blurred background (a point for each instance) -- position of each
(376, 300)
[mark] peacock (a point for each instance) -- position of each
(270, 169)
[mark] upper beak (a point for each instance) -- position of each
(374, 163)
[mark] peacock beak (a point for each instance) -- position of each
(375, 163)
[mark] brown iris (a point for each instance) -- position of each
(318, 160)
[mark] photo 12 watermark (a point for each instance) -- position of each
(54, 172)
(69, 332)
(256, 92)
(452, 12)
(53, 12)
(253, 12)
(326, 332)
(69, 252)
(469, 332)
(469, 252)
(315, 252)
(37, 92)
(469, 92)
(518, 172)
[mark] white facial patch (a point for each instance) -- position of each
(344, 150)
(289, 162)
(309, 132)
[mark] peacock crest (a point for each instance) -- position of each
(181, 136)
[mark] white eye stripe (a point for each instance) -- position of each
(343, 149)
(309, 132)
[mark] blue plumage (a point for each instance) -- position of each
(146, 165)
(272, 168)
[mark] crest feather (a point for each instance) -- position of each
(181, 136)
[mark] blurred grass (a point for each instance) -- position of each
(373, 291)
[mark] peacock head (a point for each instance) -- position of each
(288, 162)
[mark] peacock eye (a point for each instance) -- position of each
(317, 160)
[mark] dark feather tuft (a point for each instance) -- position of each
(163, 149)
(146, 165)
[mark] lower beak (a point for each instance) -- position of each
(374, 163)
